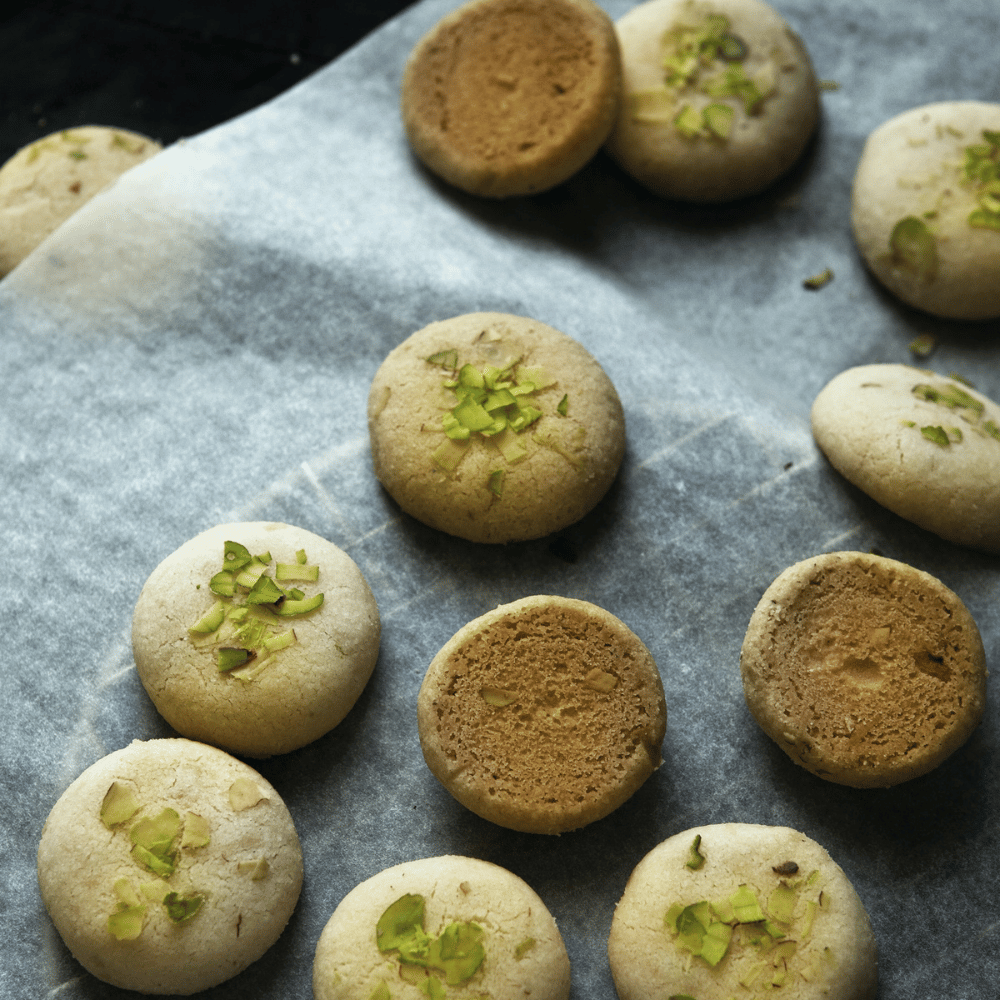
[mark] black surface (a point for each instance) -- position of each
(164, 70)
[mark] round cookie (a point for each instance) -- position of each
(534, 477)
(511, 97)
(44, 183)
(925, 208)
(485, 931)
(720, 98)
(738, 909)
(542, 715)
(865, 671)
(169, 866)
(225, 664)
(925, 446)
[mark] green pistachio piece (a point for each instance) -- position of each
(244, 793)
(922, 345)
(119, 804)
(182, 907)
(937, 434)
(223, 584)
(195, 832)
(399, 922)
(458, 952)
(229, 657)
(126, 924)
(433, 988)
(718, 119)
(745, 905)
(562, 408)
(445, 359)
(381, 992)
(257, 870)
(817, 281)
(523, 948)
(154, 891)
(126, 893)
(914, 248)
(157, 833)
(296, 571)
(695, 858)
(289, 608)
(211, 621)
(265, 591)
(688, 122)
(781, 903)
(235, 556)
(496, 482)
(448, 454)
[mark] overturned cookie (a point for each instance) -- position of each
(511, 97)
(257, 637)
(738, 909)
(720, 98)
(494, 428)
(864, 670)
(169, 866)
(542, 715)
(925, 208)
(441, 927)
(923, 445)
(44, 183)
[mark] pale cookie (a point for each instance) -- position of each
(720, 98)
(741, 910)
(865, 671)
(441, 927)
(923, 445)
(925, 208)
(43, 184)
(542, 715)
(511, 97)
(169, 866)
(494, 428)
(231, 655)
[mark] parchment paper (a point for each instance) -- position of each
(196, 346)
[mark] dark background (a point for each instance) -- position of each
(166, 70)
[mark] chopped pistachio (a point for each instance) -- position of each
(155, 891)
(718, 119)
(745, 905)
(652, 107)
(289, 608)
(381, 992)
(296, 571)
(126, 923)
(781, 904)
(433, 988)
(914, 248)
(937, 434)
(688, 122)
(228, 657)
(119, 804)
(523, 948)
(496, 482)
(126, 893)
(77, 154)
(399, 921)
(182, 907)
(695, 858)
(195, 832)
(922, 345)
(257, 870)
(817, 281)
(244, 793)
(211, 621)
(562, 408)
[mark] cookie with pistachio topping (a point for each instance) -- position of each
(445, 928)
(168, 867)
(542, 715)
(864, 670)
(925, 208)
(494, 428)
(507, 97)
(738, 909)
(257, 637)
(926, 446)
(720, 98)
(44, 183)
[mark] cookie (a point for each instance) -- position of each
(256, 637)
(923, 445)
(44, 183)
(494, 428)
(720, 98)
(169, 866)
(737, 909)
(447, 926)
(511, 97)
(925, 208)
(864, 670)
(542, 715)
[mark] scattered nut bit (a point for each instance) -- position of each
(923, 345)
(817, 281)
(599, 680)
(785, 868)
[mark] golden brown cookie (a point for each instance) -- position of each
(925, 208)
(542, 715)
(475, 929)
(736, 910)
(536, 453)
(232, 656)
(924, 445)
(864, 670)
(720, 98)
(44, 183)
(511, 97)
(169, 866)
